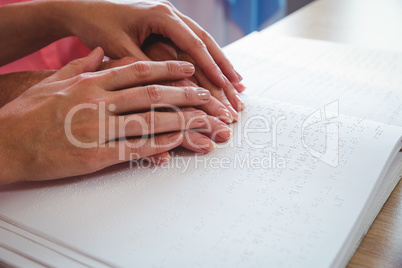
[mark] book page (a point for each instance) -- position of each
(285, 192)
(366, 83)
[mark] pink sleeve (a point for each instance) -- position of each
(52, 57)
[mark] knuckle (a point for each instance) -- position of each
(142, 69)
(188, 93)
(204, 35)
(152, 121)
(199, 44)
(85, 80)
(162, 8)
(165, 2)
(76, 65)
(154, 93)
(171, 68)
(112, 72)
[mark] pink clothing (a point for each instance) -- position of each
(52, 57)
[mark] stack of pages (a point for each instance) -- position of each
(314, 157)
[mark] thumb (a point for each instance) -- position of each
(89, 63)
(127, 48)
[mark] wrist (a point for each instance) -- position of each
(69, 16)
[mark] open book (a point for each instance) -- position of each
(313, 159)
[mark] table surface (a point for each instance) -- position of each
(364, 23)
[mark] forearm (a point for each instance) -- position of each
(28, 27)
(14, 84)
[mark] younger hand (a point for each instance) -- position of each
(54, 129)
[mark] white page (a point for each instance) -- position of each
(367, 83)
(260, 215)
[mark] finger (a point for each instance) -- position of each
(89, 63)
(216, 130)
(105, 65)
(215, 108)
(126, 150)
(216, 92)
(187, 82)
(240, 87)
(142, 72)
(233, 97)
(153, 96)
(184, 37)
(159, 158)
(213, 48)
(126, 48)
(160, 48)
(197, 142)
(156, 122)
(230, 98)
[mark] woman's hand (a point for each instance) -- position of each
(78, 121)
(122, 29)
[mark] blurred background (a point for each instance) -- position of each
(229, 20)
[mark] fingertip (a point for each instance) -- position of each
(224, 115)
(235, 115)
(94, 59)
(240, 87)
(239, 77)
(225, 134)
(97, 53)
(205, 144)
(240, 106)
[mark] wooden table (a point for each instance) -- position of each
(366, 23)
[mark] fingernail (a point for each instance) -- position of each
(206, 144)
(234, 114)
(203, 94)
(166, 159)
(240, 105)
(187, 68)
(225, 135)
(225, 115)
(239, 76)
(240, 87)
(175, 137)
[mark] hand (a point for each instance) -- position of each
(53, 130)
(121, 30)
(200, 140)
(213, 107)
(159, 48)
